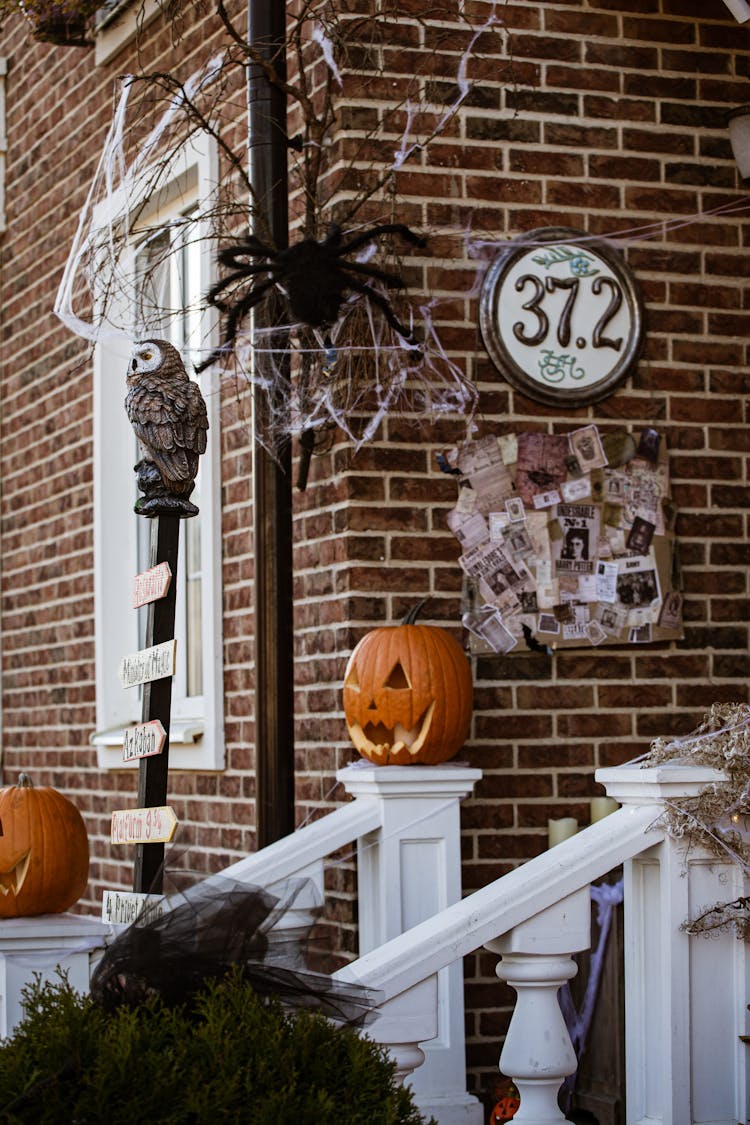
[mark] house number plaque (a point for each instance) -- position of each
(561, 316)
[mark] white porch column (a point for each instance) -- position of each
(408, 871)
(538, 1054)
(685, 996)
(41, 945)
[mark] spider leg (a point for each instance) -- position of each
(392, 280)
(238, 310)
(235, 314)
(334, 236)
(238, 275)
(385, 308)
(371, 233)
(252, 247)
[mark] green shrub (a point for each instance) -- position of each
(231, 1058)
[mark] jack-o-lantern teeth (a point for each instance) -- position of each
(378, 741)
(14, 879)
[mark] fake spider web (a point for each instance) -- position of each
(352, 376)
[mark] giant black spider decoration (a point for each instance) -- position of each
(315, 276)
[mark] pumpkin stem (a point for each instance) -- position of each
(411, 616)
(25, 782)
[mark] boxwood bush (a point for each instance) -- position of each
(229, 1057)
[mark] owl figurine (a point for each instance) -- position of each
(168, 414)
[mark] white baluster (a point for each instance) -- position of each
(408, 1056)
(538, 1054)
(404, 1022)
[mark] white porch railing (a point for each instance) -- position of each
(686, 997)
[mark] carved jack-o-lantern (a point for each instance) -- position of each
(507, 1105)
(408, 695)
(44, 851)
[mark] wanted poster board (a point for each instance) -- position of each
(567, 539)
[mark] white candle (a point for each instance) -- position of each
(601, 807)
(559, 830)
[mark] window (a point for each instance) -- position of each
(170, 268)
(119, 22)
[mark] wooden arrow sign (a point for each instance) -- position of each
(143, 826)
(151, 584)
(149, 664)
(143, 740)
(122, 908)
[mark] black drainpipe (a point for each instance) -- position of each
(272, 491)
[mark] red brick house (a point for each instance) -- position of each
(605, 116)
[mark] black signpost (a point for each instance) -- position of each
(157, 703)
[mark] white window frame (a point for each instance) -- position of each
(3, 141)
(197, 732)
(118, 24)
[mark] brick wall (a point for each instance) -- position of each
(604, 116)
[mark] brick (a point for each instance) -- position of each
(659, 31)
(628, 109)
(589, 78)
(557, 48)
(659, 141)
(624, 168)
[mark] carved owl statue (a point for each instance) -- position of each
(168, 414)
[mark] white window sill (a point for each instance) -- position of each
(187, 747)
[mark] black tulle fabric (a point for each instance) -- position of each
(211, 928)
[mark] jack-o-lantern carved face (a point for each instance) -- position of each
(408, 695)
(44, 851)
(507, 1105)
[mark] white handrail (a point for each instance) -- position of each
(294, 853)
(420, 952)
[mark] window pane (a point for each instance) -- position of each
(168, 272)
(193, 605)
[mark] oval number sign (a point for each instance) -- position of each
(561, 316)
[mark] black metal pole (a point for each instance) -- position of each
(272, 489)
(157, 703)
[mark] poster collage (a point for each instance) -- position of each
(567, 539)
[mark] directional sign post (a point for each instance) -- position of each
(122, 908)
(149, 664)
(153, 825)
(157, 704)
(143, 740)
(151, 584)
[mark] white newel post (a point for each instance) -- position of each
(41, 946)
(685, 996)
(538, 1054)
(408, 871)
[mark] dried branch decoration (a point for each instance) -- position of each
(360, 365)
(715, 819)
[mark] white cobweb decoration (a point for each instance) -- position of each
(351, 377)
(160, 129)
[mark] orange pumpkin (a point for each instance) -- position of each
(508, 1104)
(408, 694)
(44, 851)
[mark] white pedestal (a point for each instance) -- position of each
(685, 996)
(41, 946)
(408, 871)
